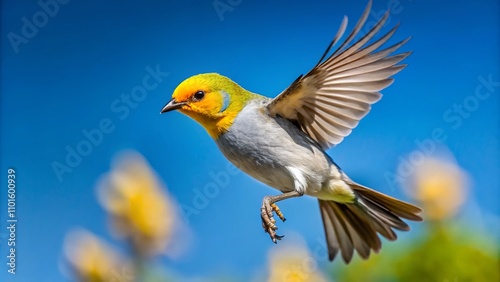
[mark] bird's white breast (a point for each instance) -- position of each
(275, 151)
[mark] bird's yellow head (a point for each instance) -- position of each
(211, 99)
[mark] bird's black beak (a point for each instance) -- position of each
(172, 105)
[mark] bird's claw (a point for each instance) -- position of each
(268, 221)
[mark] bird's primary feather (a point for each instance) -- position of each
(331, 99)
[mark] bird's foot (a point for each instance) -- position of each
(278, 211)
(268, 222)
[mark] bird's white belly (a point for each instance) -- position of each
(276, 152)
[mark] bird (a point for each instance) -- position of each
(282, 141)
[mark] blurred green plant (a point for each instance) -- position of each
(447, 250)
(443, 254)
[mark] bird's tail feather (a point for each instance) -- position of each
(355, 226)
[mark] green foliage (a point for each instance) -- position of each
(444, 254)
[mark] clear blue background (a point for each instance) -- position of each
(66, 77)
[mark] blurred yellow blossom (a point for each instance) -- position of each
(140, 209)
(440, 185)
(292, 262)
(91, 260)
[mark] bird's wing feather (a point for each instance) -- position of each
(329, 100)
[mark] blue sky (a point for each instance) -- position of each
(70, 75)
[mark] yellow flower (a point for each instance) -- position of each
(140, 209)
(292, 262)
(93, 261)
(440, 185)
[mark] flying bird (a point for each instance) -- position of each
(282, 141)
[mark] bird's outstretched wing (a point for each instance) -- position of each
(329, 100)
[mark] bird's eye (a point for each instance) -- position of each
(199, 95)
